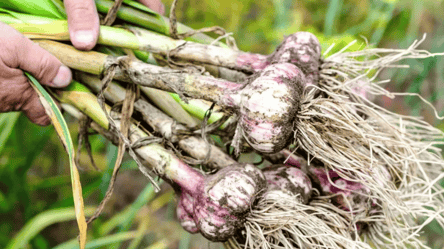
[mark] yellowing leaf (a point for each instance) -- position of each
(55, 30)
(62, 130)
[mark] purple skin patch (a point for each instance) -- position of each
(217, 207)
(353, 195)
(289, 179)
(184, 213)
(255, 62)
(291, 159)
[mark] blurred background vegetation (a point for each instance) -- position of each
(35, 192)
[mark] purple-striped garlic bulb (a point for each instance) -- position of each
(302, 49)
(217, 205)
(268, 106)
(290, 180)
(348, 195)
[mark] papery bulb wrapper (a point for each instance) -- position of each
(269, 104)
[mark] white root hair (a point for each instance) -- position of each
(280, 221)
(354, 137)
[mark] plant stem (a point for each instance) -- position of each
(152, 21)
(161, 160)
(198, 108)
(162, 124)
(218, 202)
(219, 61)
(196, 52)
(268, 104)
(170, 106)
(194, 85)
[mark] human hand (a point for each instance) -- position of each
(18, 53)
(83, 21)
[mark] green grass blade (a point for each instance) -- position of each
(4, 204)
(107, 240)
(7, 122)
(185, 241)
(382, 23)
(124, 219)
(162, 244)
(41, 221)
(139, 6)
(333, 12)
(60, 7)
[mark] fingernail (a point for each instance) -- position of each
(84, 38)
(63, 77)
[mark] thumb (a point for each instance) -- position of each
(45, 67)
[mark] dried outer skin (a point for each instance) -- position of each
(214, 222)
(268, 107)
(302, 49)
(218, 206)
(290, 180)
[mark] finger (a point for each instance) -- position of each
(155, 5)
(20, 52)
(45, 67)
(83, 23)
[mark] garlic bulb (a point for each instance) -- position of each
(348, 195)
(217, 207)
(290, 180)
